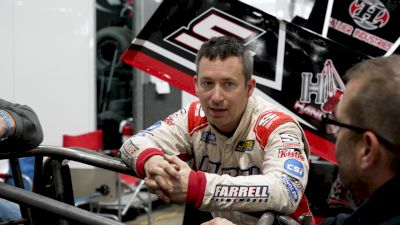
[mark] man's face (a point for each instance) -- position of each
(346, 146)
(223, 92)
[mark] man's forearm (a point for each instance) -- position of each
(7, 125)
(25, 131)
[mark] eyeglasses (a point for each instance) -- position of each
(332, 126)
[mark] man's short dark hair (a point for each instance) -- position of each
(224, 47)
(376, 106)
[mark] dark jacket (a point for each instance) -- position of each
(383, 208)
(28, 133)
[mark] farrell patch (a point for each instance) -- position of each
(240, 193)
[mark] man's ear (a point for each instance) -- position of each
(370, 152)
(251, 84)
(195, 85)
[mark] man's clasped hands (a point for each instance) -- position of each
(167, 177)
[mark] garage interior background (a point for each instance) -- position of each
(50, 60)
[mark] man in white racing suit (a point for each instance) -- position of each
(246, 155)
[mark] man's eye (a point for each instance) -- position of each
(229, 84)
(206, 83)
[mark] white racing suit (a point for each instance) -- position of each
(263, 166)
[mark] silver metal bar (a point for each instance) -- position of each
(58, 208)
(89, 157)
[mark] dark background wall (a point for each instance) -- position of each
(159, 106)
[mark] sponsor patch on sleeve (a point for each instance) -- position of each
(154, 126)
(294, 167)
(227, 193)
(291, 188)
(266, 123)
(140, 133)
(293, 153)
(298, 184)
(129, 147)
(149, 129)
(290, 140)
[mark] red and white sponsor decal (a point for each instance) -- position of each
(290, 140)
(369, 14)
(290, 153)
(266, 124)
(327, 91)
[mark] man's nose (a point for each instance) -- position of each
(218, 94)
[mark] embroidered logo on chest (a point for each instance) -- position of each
(244, 146)
(209, 138)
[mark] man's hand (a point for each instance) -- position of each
(218, 221)
(179, 193)
(160, 176)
